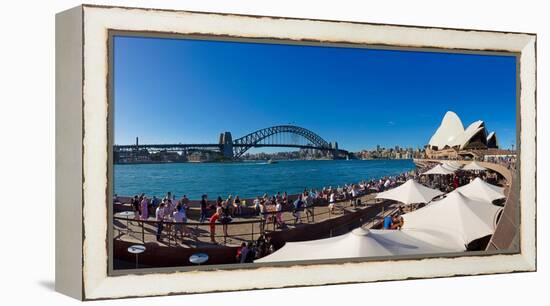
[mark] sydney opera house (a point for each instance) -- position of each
(451, 140)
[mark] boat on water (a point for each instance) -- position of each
(271, 161)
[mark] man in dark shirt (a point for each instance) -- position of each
(204, 205)
(297, 210)
(155, 202)
(135, 205)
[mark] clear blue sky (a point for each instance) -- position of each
(189, 91)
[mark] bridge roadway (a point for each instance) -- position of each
(184, 147)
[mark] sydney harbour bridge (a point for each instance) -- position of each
(289, 136)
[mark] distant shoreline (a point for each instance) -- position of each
(245, 161)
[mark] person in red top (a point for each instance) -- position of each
(455, 182)
(213, 219)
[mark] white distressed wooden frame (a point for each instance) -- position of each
(81, 165)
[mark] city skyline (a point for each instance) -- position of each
(189, 91)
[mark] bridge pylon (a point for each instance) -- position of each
(226, 145)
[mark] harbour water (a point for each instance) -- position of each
(248, 179)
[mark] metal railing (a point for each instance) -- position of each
(141, 229)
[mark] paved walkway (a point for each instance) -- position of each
(241, 229)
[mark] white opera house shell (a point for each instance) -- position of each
(451, 134)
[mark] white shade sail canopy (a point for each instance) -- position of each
(411, 192)
(478, 189)
(473, 166)
(449, 167)
(453, 164)
(358, 243)
(460, 218)
(439, 170)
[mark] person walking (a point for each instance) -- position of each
(332, 203)
(308, 205)
(297, 210)
(180, 218)
(224, 216)
(136, 207)
(204, 207)
(144, 208)
(279, 214)
(263, 216)
(160, 220)
(237, 206)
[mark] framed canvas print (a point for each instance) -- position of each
(204, 152)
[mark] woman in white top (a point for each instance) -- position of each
(160, 218)
(263, 216)
(257, 204)
(180, 217)
(332, 200)
(279, 214)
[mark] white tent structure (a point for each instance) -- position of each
(454, 164)
(439, 169)
(359, 243)
(411, 192)
(458, 217)
(478, 189)
(449, 167)
(474, 166)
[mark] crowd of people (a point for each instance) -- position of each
(171, 214)
(174, 213)
(168, 211)
(448, 183)
(252, 250)
(507, 161)
(445, 183)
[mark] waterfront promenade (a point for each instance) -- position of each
(248, 227)
(171, 252)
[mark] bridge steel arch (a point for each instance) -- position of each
(243, 144)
